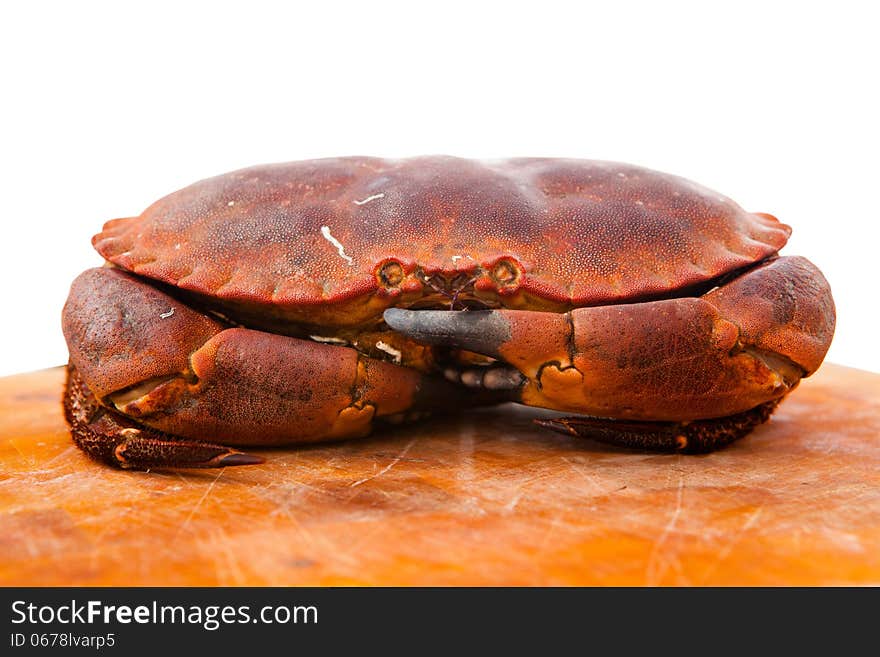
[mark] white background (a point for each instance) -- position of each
(106, 107)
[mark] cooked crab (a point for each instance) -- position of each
(303, 302)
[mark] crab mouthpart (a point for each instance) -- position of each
(489, 377)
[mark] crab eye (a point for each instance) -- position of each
(391, 274)
(505, 272)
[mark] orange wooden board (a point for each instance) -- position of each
(482, 498)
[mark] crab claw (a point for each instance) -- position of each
(481, 331)
(152, 380)
(111, 437)
(741, 345)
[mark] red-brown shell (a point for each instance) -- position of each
(314, 232)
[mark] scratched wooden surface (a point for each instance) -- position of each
(484, 498)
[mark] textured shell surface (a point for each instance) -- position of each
(316, 232)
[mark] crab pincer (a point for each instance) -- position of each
(686, 373)
(146, 386)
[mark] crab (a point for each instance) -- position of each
(309, 301)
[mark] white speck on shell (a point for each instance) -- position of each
(325, 231)
(370, 198)
(388, 349)
(167, 314)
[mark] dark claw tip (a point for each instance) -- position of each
(395, 315)
(240, 458)
(482, 331)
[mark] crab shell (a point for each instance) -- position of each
(308, 242)
(620, 292)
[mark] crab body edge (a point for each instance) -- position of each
(303, 302)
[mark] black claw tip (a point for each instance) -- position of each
(397, 317)
(481, 331)
(240, 458)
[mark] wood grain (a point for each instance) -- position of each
(483, 498)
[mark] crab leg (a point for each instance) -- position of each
(726, 354)
(181, 377)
